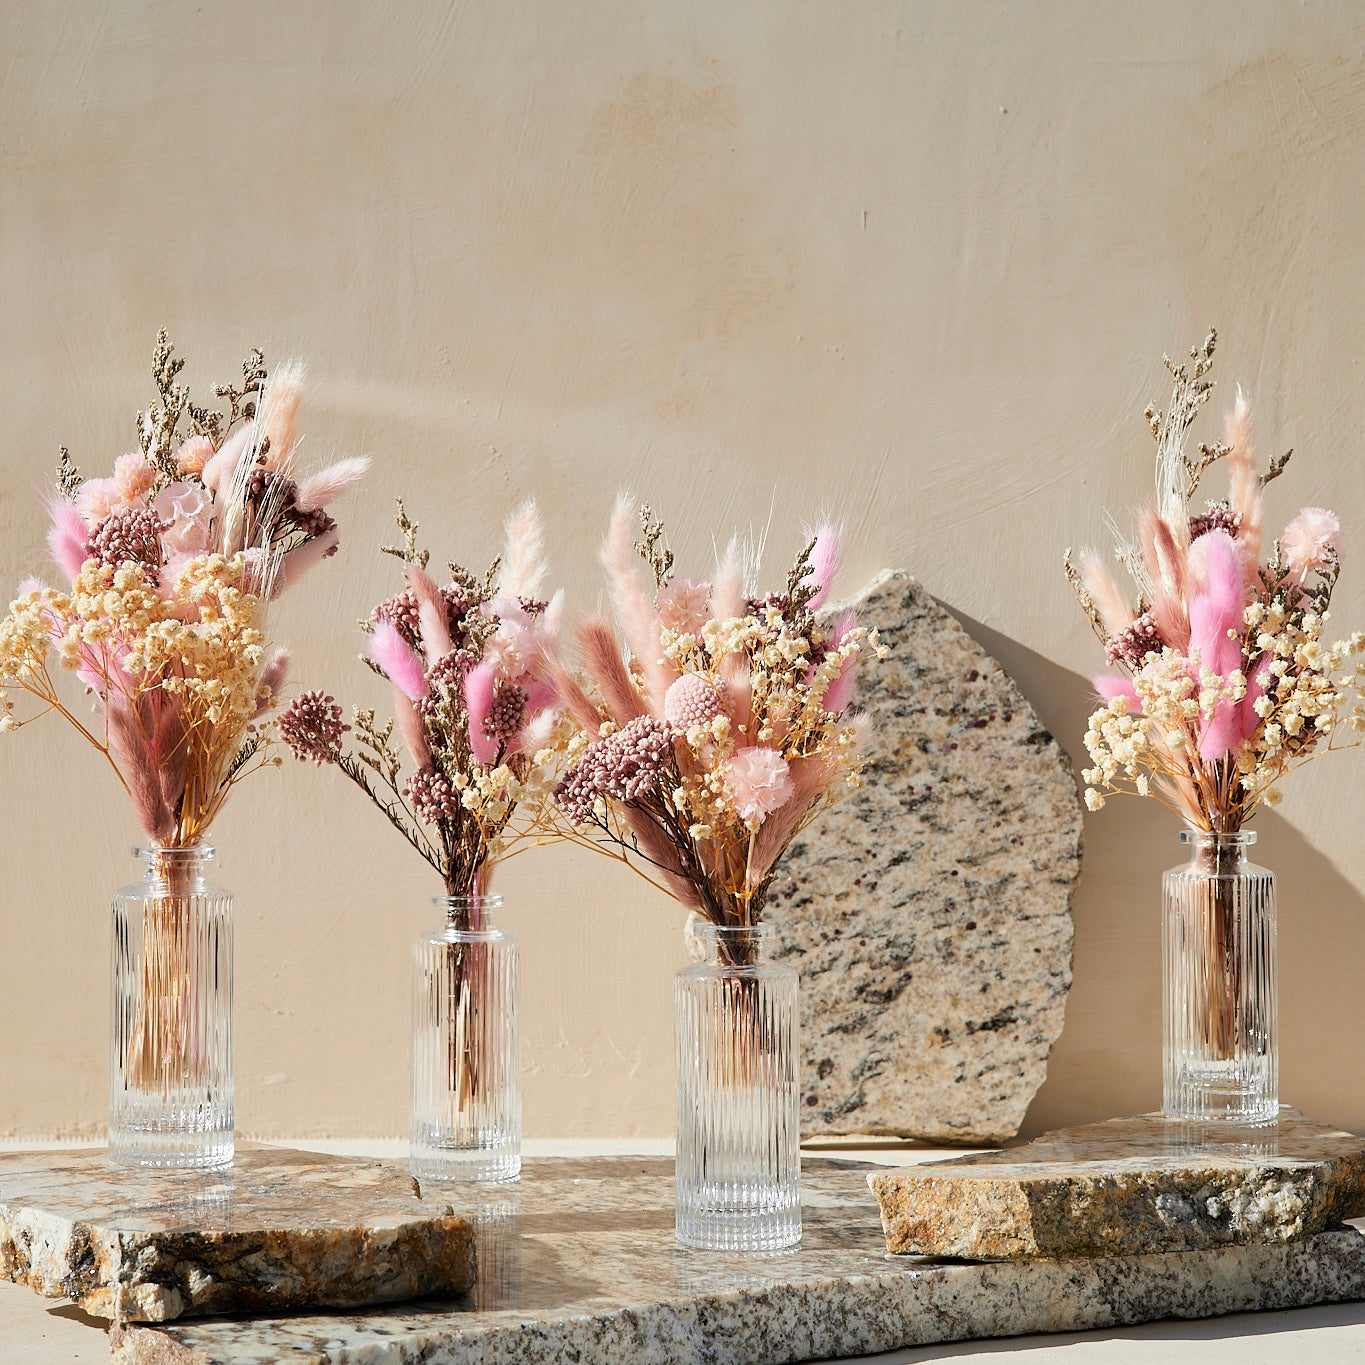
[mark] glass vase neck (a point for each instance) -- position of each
(175, 865)
(1213, 838)
(731, 943)
(469, 912)
(1219, 851)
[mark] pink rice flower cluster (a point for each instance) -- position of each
(131, 532)
(507, 715)
(624, 767)
(691, 700)
(401, 611)
(446, 677)
(1135, 642)
(1215, 519)
(432, 796)
(312, 727)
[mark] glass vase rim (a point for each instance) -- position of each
(705, 928)
(485, 900)
(1230, 838)
(177, 853)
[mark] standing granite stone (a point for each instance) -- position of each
(278, 1229)
(929, 911)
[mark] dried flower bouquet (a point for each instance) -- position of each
(723, 729)
(1226, 680)
(173, 561)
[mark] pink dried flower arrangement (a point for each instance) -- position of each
(1226, 680)
(470, 666)
(173, 560)
(722, 729)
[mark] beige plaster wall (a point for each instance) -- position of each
(914, 263)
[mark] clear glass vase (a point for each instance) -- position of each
(465, 1119)
(738, 1181)
(170, 1060)
(1221, 1045)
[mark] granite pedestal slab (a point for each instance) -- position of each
(1128, 1187)
(578, 1263)
(278, 1229)
(929, 912)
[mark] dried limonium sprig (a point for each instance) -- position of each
(173, 561)
(1226, 679)
(476, 709)
(722, 729)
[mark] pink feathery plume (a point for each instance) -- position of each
(824, 562)
(67, 539)
(536, 732)
(655, 846)
(727, 587)
(222, 465)
(298, 561)
(327, 485)
(811, 779)
(272, 681)
(1244, 486)
(398, 660)
(1165, 561)
(840, 692)
(479, 687)
(409, 721)
(172, 751)
(522, 565)
(1111, 685)
(639, 621)
(541, 695)
(1258, 677)
(574, 699)
(431, 614)
(1216, 611)
(279, 408)
(1116, 611)
(128, 741)
(602, 659)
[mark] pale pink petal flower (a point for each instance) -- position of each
(760, 782)
(685, 604)
(1309, 541)
(96, 498)
(188, 508)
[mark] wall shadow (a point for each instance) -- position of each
(1107, 1061)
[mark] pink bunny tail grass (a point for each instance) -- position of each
(523, 568)
(1215, 610)
(222, 465)
(840, 692)
(126, 738)
(811, 778)
(172, 752)
(297, 562)
(603, 662)
(574, 699)
(537, 731)
(400, 663)
(280, 408)
(327, 485)
(272, 681)
(479, 686)
(824, 563)
(727, 587)
(639, 621)
(431, 615)
(657, 848)
(408, 719)
(1244, 485)
(67, 539)
(1116, 611)
(1111, 685)
(1165, 561)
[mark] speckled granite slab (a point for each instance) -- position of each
(578, 1264)
(278, 1229)
(1128, 1187)
(929, 912)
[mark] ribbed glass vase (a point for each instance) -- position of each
(170, 1063)
(1221, 1045)
(738, 1180)
(465, 1120)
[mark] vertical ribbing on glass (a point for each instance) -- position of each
(1220, 1039)
(738, 1171)
(170, 1063)
(465, 1117)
